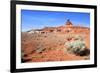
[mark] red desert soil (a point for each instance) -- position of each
(53, 55)
(48, 44)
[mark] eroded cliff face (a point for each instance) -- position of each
(48, 44)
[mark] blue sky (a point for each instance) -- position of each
(34, 19)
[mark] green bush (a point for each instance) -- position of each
(76, 47)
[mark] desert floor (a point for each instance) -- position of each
(49, 47)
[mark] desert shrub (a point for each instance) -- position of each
(85, 52)
(77, 47)
(40, 50)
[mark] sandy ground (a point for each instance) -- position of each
(49, 47)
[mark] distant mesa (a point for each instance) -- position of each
(67, 28)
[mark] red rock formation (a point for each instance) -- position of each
(67, 28)
(69, 24)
